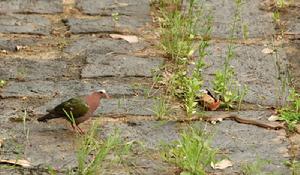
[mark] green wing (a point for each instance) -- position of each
(75, 105)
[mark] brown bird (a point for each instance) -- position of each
(77, 109)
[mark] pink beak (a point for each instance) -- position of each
(107, 96)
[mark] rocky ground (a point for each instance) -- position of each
(52, 50)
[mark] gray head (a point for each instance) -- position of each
(102, 93)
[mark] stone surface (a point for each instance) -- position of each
(147, 138)
(31, 69)
(244, 144)
(122, 7)
(293, 55)
(241, 143)
(65, 88)
(127, 106)
(247, 144)
(31, 6)
(45, 145)
(101, 65)
(293, 27)
(11, 108)
(105, 24)
(258, 23)
(11, 45)
(257, 70)
(292, 20)
(295, 142)
(151, 134)
(36, 83)
(25, 24)
(102, 46)
(57, 146)
(20, 171)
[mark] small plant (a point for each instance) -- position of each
(62, 43)
(224, 83)
(245, 30)
(294, 166)
(192, 152)
(229, 89)
(92, 152)
(256, 168)
(21, 72)
(178, 29)
(186, 87)
(51, 170)
(281, 3)
(193, 86)
(276, 17)
(291, 113)
(70, 117)
(25, 129)
(2, 83)
(194, 83)
(161, 108)
(156, 76)
(115, 16)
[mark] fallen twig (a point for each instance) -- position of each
(23, 163)
(259, 123)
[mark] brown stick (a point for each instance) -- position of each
(259, 123)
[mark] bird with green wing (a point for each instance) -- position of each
(77, 109)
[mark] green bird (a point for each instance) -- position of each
(77, 109)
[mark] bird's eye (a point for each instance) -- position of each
(101, 91)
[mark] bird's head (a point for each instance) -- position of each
(102, 93)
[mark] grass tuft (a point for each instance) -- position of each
(192, 153)
(179, 26)
(224, 84)
(257, 168)
(291, 113)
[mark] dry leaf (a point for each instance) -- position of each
(128, 38)
(273, 118)
(4, 51)
(23, 163)
(1, 142)
(208, 101)
(298, 128)
(225, 163)
(267, 51)
(123, 4)
(18, 48)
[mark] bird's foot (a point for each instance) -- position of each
(77, 129)
(80, 130)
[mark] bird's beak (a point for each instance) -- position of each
(107, 96)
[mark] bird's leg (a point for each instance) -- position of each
(80, 130)
(74, 129)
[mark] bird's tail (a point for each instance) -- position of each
(47, 117)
